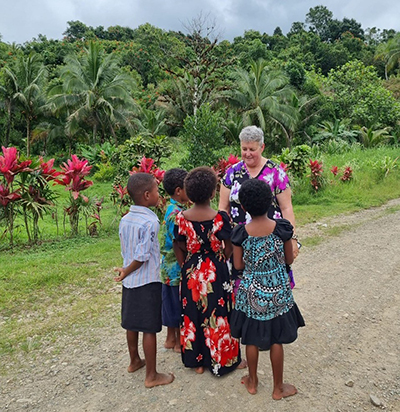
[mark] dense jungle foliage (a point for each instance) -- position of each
(325, 80)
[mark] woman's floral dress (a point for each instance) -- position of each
(206, 296)
(271, 173)
(278, 181)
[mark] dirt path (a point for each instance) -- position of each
(348, 291)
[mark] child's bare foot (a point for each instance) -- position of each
(169, 344)
(250, 385)
(159, 379)
(284, 391)
(242, 364)
(199, 370)
(177, 348)
(133, 367)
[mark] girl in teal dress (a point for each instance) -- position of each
(265, 314)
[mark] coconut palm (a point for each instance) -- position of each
(96, 92)
(26, 81)
(261, 95)
(151, 122)
(390, 52)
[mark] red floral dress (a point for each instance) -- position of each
(206, 296)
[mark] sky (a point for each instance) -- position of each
(23, 20)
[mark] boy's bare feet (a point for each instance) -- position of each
(284, 391)
(159, 379)
(169, 344)
(133, 367)
(199, 370)
(177, 348)
(250, 385)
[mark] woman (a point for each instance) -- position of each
(255, 166)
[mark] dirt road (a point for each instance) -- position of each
(346, 358)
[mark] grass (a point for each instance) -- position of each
(52, 288)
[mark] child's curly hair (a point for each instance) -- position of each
(255, 196)
(173, 178)
(200, 184)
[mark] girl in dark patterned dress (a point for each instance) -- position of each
(265, 314)
(202, 237)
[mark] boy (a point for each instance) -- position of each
(170, 269)
(140, 276)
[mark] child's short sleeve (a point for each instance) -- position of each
(283, 229)
(145, 242)
(225, 230)
(239, 235)
(179, 228)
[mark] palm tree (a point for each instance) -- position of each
(96, 93)
(26, 80)
(151, 122)
(261, 95)
(390, 52)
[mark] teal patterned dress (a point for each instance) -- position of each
(265, 312)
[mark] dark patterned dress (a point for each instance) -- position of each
(265, 312)
(206, 296)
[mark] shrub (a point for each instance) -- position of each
(204, 135)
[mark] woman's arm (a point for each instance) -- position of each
(289, 252)
(238, 261)
(285, 203)
(224, 200)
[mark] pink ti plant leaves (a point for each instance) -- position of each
(10, 164)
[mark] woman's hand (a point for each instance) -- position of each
(295, 248)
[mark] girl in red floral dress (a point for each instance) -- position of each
(202, 247)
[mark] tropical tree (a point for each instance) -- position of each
(96, 93)
(200, 77)
(261, 96)
(26, 80)
(390, 52)
(151, 122)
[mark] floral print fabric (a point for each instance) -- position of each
(206, 296)
(271, 173)
(170, 270)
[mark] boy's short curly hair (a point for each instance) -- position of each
(200, 184)
(173, 178)
(139, 183)
(255, 196)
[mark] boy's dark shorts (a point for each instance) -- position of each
(141, 308)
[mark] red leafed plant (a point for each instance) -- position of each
(73, 176)
(10, 166)
(316, 174)
(347, 174)
(224, 164)
(120, 194)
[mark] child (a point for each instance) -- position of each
(202, 235)
(170, 269)
(140, 276)
(265, 314)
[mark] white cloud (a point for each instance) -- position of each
(22, 20)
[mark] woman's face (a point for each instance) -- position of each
(251, 153)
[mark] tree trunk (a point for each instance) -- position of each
(28, 135)
(8, 129)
